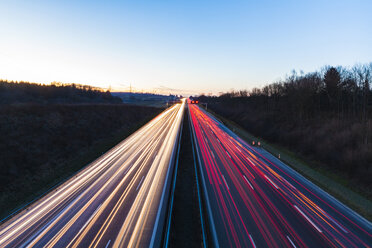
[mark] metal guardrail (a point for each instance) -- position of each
(209, 209)
(158, 230)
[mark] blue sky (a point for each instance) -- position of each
(189, 46)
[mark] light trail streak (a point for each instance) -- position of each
(291, 213)
(225, 182)
(248, 182)
(113, 201)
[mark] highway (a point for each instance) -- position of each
(119, 200)
(252, 199)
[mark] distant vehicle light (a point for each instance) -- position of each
(192, 101)
(196, 101)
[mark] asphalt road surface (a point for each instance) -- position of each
(255, 200)
(117, 201)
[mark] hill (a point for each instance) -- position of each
(12, 92)
(146, 99)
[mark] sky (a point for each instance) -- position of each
(182, 47)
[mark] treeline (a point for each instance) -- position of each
(24, 92)
(325, 115)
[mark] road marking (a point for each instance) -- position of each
(140, 183)
(272, 182)
(228, 154)
(250, 237)
(312, 223)
(218, 140)
(248, 182)
(213, 155)
(129, 166)
(291, 242)
(225, 182)
(251, 161)
(86, 223)
(108, 243)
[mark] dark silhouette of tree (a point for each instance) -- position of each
(332, 81)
